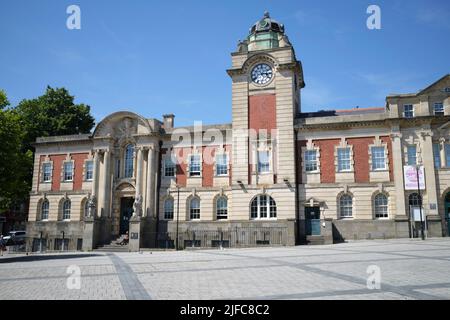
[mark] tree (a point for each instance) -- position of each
(14, 163)
(53, 113)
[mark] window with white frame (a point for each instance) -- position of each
(344, 159)
(45, 208)
(437, 155)
(439, 109)
(263, 207)
(221, 164)
(168, 209)
(263, 161)
(66, 209)
(412, 155)
(129, 161)
(169, 167)
(47, 172)
(311, 160)
(378, 158)
(89, 170)
(222, 208)
(408, 111)
(194, 209)
(346, 206)
(195, 165)
(381, 206)
(68, 171)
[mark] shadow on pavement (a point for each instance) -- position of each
(47, 257)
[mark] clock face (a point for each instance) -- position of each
(262, 74)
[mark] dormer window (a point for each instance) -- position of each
(447, 90)
(408, 111)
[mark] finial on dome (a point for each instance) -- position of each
(266, 14)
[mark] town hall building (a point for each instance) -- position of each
(273, 176)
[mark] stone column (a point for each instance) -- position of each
(150, 182)
(95, 181)
(398, 174)
(138, 196)
(104, 187)
(430, 177)
(442, 152)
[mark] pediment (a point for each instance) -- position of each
(122, 125)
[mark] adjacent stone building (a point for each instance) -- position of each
(274, 176)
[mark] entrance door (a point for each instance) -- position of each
(312, 216)
(126, 211)
(447, 212)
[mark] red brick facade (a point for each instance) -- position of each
(262, 112)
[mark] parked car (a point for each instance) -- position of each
(15, 237)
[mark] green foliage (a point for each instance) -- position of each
(15, 165)
(3, 100)
(53, 113)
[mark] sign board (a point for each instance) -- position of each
(410, 174)
(134, 235)
(416, 214)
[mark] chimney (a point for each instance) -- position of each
(168, 121)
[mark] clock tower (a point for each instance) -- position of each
(266, 83)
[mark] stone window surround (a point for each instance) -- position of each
(220, 152)
(268, 218)
(379, 143)
(46, 161)
(39, 211)
(338, 204)
(122, 156)
(263, 145)
(310, 146)
(216, 198)
(68, 159)
(89, 159)
(376, 193)
(61, 209)
(188, 207)
(164, 158)
(164, 199)
(344, 145)
(188, 167)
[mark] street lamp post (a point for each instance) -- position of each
(420, 201)
(178, 213)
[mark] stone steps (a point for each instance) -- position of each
(315, 240)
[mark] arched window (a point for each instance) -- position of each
(346, 206)
(381, 206)
(222, 208)
(45, 209)
(66, 210)
(194, 209)
(168, 209)
(129, 161)
(263, 207)
(415, 200)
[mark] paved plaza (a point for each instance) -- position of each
(409, 269)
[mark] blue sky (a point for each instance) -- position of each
(156, 57)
